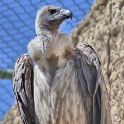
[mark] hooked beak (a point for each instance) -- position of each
(66, 13)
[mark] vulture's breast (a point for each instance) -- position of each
(60, 103)
(57, 54)
(61, 50)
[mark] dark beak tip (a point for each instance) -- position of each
(71, 16)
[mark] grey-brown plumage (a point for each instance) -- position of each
(66, 86)
(23, 88)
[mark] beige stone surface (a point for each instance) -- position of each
(103, 29)
(12, 116)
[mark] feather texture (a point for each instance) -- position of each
(92, 82)
(23, 88)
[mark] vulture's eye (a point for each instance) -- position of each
(52, 11)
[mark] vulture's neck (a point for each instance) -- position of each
(50, 44)
(47, 32)
(48, 38)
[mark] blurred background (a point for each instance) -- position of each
(17, 21)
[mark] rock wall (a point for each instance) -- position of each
(12, 116)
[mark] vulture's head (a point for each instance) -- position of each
(51, 17)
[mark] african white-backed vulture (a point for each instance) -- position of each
(66, 85)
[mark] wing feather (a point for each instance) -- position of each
(94, 92)
(23, 88)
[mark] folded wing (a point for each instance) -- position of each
(91, 81)
(23, 88)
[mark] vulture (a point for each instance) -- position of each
(66, 84)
